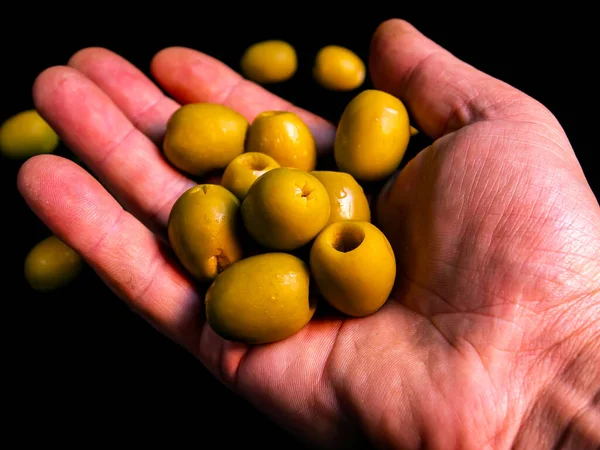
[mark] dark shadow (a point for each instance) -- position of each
(326, 162)
(324, 312)
(211, 177)
(303, 252)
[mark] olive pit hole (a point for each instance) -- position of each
(257, 165)
(303, 191)
(219, 262)
(348, 238)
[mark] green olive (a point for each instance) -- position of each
(242, 172)
(285, 137)
(203, 230)
(285, 208)
(202, 137)
(260, 299)
(51, 264)
(346, 197)
(372, 136)
(271, 61)
(354, 267)
(27, 134)
(338, 68)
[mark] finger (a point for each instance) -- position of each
(125, 254)
(442, 92)
(191, 76)
(136, 95)
(129, 164)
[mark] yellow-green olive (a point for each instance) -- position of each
(372, 136)
(338, 68)
(271, 61)
(260, 299)
(203, 230)
(285, 208)
(51, 264)
(354, 267)
(243, 171)
(202, 137)
(346, 197)
(27, 134)
(285, 137)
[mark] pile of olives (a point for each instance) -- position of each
(275, 235)
(244, 237)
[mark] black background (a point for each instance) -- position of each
(77, 362)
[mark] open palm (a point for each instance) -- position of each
(496, 232)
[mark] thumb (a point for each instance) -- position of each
(442, 92)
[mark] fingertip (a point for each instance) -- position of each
(52, 184)
(166, 65)
(167, 52)
(394, 25)
(379, 66)
(42, 81)
(31, 166)
(168, 56)
(159, 59)
(24, 174)
(395, 44)
(386, 35)
(82, 57)
(190, 75)
(32, 176)
(48, 82)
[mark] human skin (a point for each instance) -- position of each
(490, 338)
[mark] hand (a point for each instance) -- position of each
(490, 337)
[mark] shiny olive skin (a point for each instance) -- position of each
(51, 264)
(285, 137)
(372, 136)
(285, 208)
(260, 299)
(27, 134)
(203, 230)
(203, 137)
(346, 197)
(338, 68)
(354, 267)
(271, 61)
(242, 172)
